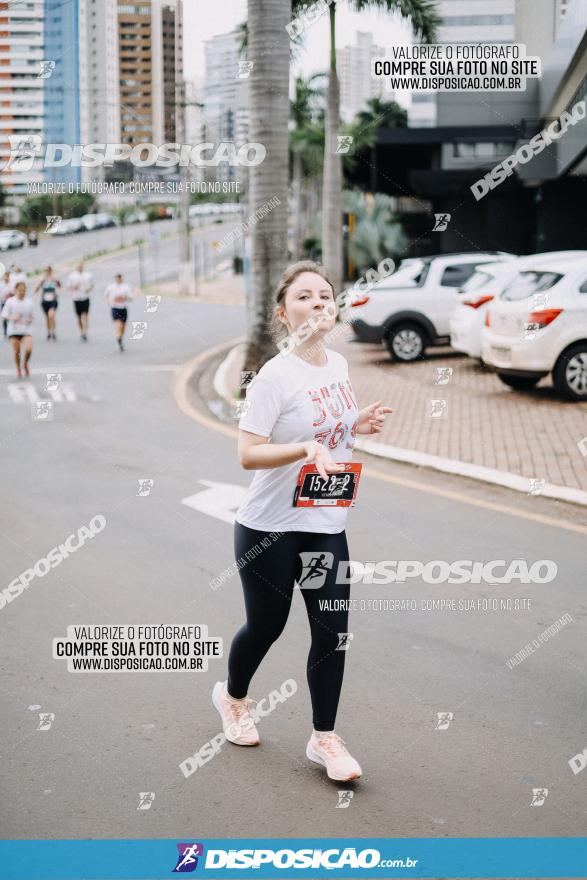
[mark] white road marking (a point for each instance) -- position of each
(220, 500)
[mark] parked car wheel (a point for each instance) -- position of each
(570, 373)
(520, 383)
(406, 342)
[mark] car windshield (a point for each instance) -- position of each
(527, 283)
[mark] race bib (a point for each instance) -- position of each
(120, 300)
(337, 490)
(49, 297)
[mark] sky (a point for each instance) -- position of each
(206, 18)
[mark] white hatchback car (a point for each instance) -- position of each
(471, 300)
(539, 326)
(409, 312)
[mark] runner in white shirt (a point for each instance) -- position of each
(16, 275)
(118, 295)
(18, 310)
(300, 409)
(6, 291)
(80, 284)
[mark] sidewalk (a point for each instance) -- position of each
(485, 431)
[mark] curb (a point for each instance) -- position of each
(421, 459)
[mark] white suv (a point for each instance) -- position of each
(539, 326)
(472, 300)
(414, 314)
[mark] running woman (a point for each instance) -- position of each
(118, 294)
(300, 409)
(80, 284)
(49, 300)
(18, 310)
(6, 291)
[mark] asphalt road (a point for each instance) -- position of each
(116, 735)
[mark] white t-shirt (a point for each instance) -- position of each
(16, 277)
(292, 401)
(118, 294)
(79, 285)
(20, 315)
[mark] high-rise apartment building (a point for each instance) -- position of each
(22, 111)
(357, 86)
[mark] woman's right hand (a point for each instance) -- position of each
(318, 455)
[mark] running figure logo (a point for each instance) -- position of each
(314, 568)
(444, 719)
(53, 221)
(441, 222)
(146, 798)
(344, 641)
(46, 719)
(344, 799)
(539, 795)
(188, 857)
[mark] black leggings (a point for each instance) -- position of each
(268, 585)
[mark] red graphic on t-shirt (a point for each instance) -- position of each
(333, 400)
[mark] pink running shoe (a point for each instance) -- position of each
(238, 726)
(330, 750)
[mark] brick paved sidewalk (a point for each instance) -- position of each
(532, 435)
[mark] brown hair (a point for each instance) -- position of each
(277, 327)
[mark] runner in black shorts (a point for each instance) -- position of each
(80, 284)
(18, 311)
(118, 294)
(300, 408)
(49, 300)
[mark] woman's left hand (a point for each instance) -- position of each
(372, 418)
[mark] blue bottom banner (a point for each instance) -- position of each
(293, 857)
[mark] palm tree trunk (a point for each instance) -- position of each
(332, 187)
(297, 198)
(268, 49)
